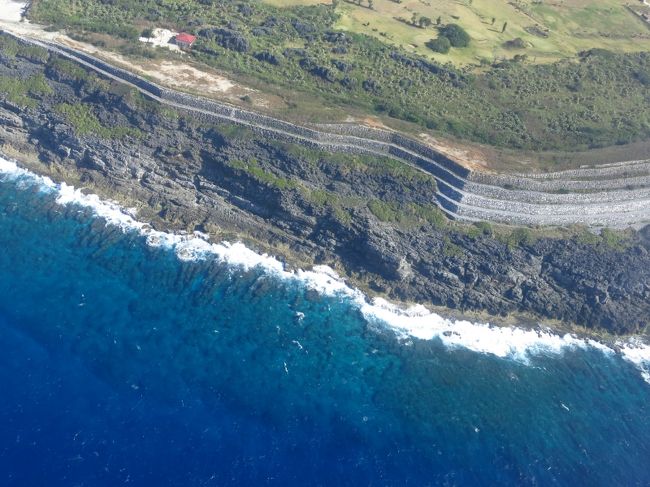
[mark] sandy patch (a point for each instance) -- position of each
(11, 11)
(168, 73)
(189, 77)
(375, 123)
(162, 38)
(468, 157)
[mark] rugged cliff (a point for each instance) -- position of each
(373, 217)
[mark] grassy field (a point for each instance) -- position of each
(549, 30)
(597, 99)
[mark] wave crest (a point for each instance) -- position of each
(414, 322)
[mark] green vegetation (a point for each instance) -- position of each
(146, 104)
(381, 166)
(69, 68)
(614, 240)
(441, 44)
(11, 49)
(339, 207)
(319, 197)
(451, 35)
(22, 92)
(85, 122)
(552, 30)
(607, 239)
(485, 228)
(234, 131)
(450, 249)
(456, 35)
(407, 214)
(91, 16)
(599, 99)
(385, 212)
(587, 237)
(252, 167)
(346, 163)
(8, 46)
(518, 237)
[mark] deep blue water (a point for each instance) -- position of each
(119, 363)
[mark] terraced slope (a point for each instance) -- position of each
(616, 195)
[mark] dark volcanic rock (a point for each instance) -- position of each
(195, 175)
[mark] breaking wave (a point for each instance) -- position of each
(407, 323)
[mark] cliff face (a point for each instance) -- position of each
(373, 217)
(616, 196)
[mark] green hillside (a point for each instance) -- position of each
(595, 99)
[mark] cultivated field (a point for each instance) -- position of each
(550, 30)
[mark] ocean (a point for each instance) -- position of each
(131, 356)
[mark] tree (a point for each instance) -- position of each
(456, 35)
(424, 22)
(493, 20)
(505, 25)
(371, 4)
(439, 21)
(414, 18)
(441, 44)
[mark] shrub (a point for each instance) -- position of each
(485, 228)
(457, 36)
(517, 43)
(68, 68)
(441, 44)
(613, 240)
(643, 77)
(262, 175)
(22, 91)
(84, 122)
(385, 212)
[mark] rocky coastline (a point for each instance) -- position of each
(614, 195)
(309, 207)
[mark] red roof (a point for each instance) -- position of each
(185, 38)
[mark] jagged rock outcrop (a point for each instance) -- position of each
(189, 174)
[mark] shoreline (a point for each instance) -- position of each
(310, 208)
(405, 321)
(295, 263)
(292, 264)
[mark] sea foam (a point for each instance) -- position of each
(413, 322)
(637, 353)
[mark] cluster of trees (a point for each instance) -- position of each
(422, 22)
(450, 35)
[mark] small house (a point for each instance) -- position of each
(184, 40)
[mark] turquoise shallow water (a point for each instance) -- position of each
(120, 363)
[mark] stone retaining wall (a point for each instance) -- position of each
(553, 185)
(517, 199)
